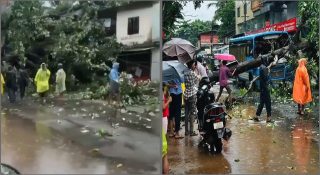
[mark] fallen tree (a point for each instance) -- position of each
(286, 52)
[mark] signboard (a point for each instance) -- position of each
(255, 5)
(206, 39)
(289, 26)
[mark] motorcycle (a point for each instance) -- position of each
(212, 119)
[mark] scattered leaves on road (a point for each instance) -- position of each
(119, 165)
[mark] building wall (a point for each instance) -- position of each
(271, 12)
(156, 22)
(149, 33)
(156, 36)
(292, 9)
(240, 20)
(155, 64)
(145, 26)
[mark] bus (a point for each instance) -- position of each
(249, 47)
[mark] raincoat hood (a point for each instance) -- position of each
(302, 62)
(115, 66)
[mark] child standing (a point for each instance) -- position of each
(165, 108)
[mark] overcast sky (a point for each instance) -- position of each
(204, 13)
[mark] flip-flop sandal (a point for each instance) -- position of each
(269, 121)
(255, 119)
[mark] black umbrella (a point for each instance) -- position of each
(172, 70)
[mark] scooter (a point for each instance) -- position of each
(212, 121)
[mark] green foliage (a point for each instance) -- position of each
(309, 18)
(171, 13)
(309, 14)
(190, 30)
(225, 13)
(135, 92)
(242, 91)
(69, 33)
(25, 25)
(282, 91)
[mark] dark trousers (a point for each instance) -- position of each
(22, 89)
(175, 110)
(264, 100)
(221, 89)
(12, 95)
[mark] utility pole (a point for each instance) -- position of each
(211, 38)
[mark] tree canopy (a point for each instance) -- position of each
(309, 17)
(64, 32)
(225, 13)
(190, 30)
(172, 13)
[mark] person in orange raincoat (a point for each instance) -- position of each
(301, 87)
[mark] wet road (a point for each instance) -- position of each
(63, 138)
(291, 145)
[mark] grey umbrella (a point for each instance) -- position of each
(180, 48)
(172, 70)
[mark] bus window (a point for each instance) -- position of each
(240, 51)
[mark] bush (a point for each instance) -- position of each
(139, 92)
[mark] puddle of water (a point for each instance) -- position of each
(33, 148)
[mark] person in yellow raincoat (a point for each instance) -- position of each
(2, 84)
(165, 162)
(42, 80)
(60, 80)
(301, 87)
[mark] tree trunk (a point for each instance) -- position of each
(247, 65)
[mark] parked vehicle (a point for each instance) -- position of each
(247, 48)
(212, 119)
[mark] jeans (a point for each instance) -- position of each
(191, 114)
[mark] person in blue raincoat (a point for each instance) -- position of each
(114, 79)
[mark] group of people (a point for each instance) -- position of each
(172, 97)
(172, 94)
(15, 80)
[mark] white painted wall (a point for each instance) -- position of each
(145, 26)
(156, 22)
(155, 64)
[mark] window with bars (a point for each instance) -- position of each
(133, 25)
